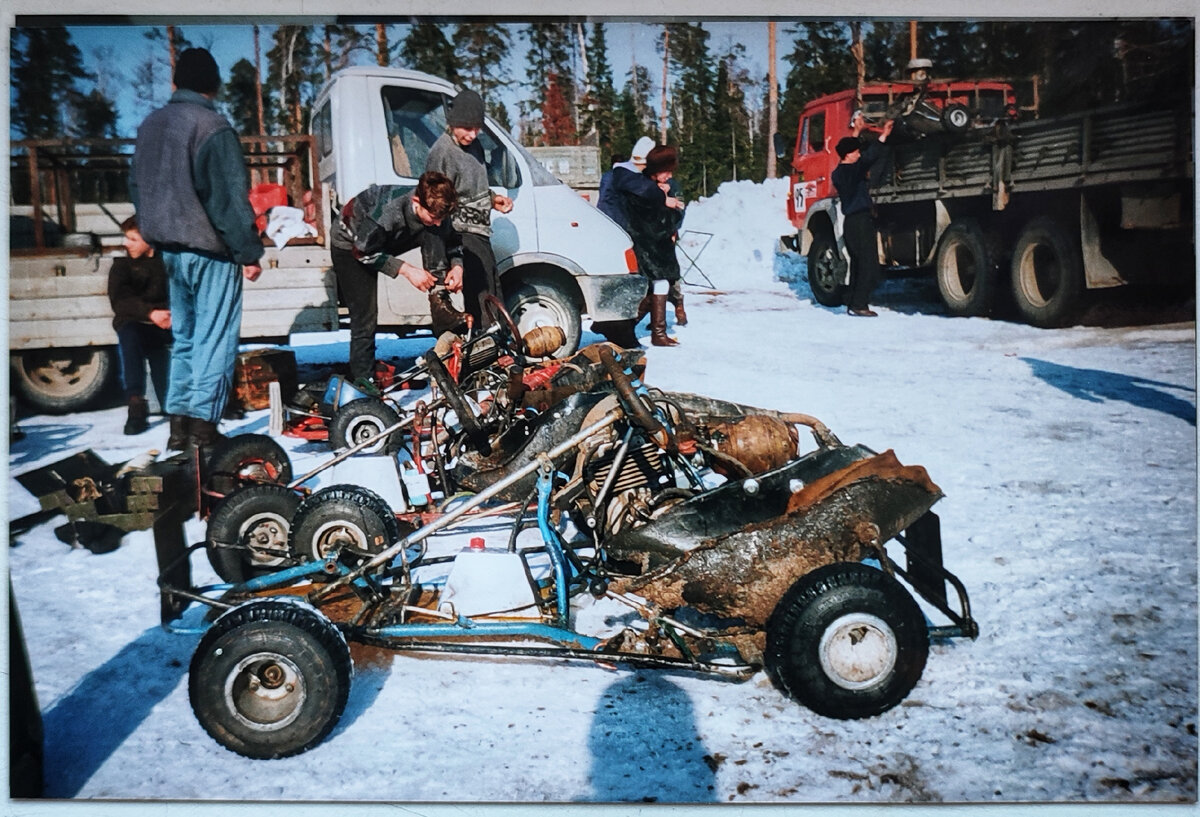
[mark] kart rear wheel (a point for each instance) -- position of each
(270, 678)
(956, 117)
(362, 419)
(349, 518)
(248, 532)
(247, 459)
(847, 641)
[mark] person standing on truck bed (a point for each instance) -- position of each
(458, 155)
(375, 228)
(137, 290)
(851, 178)
(191, 190)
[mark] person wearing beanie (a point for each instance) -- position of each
(191, 192)
(654, 218)
(851, 178)
(458, 155)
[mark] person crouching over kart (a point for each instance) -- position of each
(375, 228)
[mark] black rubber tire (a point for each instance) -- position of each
(254, 515)
(826, 271)
(245, 459)
(965, 266)
(355, 518)
(1047, 273)
(360, 419)
(270, 678)
(538, 301)
(458, 403)
(956, 118)
(60, 381)
(846, 605)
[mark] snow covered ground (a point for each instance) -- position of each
(1068, 460)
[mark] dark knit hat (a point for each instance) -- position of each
(465, 110)
(847, 145)
(660, 159)
(197, 71)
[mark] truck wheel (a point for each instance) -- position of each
(362, 419)
(1047, 273)
(956, 117)
(965, 269)
(248, 532)
(826, 271)
(246, 459)
(270, 678)
(349, 518)
(847, 641)
(538, 301)
(59, 381)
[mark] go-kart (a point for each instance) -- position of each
(733, 550)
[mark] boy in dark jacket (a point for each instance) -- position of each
(137, 290)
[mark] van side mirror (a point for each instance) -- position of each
(781, 146)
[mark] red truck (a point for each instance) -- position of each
(1043, 209)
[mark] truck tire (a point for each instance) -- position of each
(826, 271)
(965, 268)
(1047, 273)
(541, 301)
(270, 678)
(59, 381)
(248, 532)
(847, 641)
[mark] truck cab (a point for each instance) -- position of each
(559, 259)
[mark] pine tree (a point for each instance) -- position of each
(482, 48)
(692, 108)
(339, 45)
(240, 96)
(558, 128)
(820, 64)
(46, 71)
(600, 114)
(425, 48)
(548, 60)
(635, 114)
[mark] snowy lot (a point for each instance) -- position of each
(1068, 460)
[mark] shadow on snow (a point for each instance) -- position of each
(1095, 386)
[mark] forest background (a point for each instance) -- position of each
(707, 98)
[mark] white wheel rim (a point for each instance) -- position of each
(858, 651)
(362, 428)
(265, 691)
(341, 534)
(537, 312)
(265, 534)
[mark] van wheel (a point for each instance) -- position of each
(270, 678)
(847, 641)
(1047, 273)
(538, 301)
(965, 269)
(826, 271)
(59, 381)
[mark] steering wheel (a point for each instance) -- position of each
(458, 403)
(496, 313)
(633, 404)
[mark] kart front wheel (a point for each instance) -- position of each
(248, 531)
(847, 641)
(348, 519)
(365, 419)
(270, 678)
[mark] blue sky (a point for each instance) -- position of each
(120, 48)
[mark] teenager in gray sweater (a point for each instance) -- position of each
(458, 154)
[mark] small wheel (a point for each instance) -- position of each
(248, 531)
(362, 419)
(539, 301)
(847, 641)
(353, 520)
(826, 271)
(247, 459)
(965, 269)
(458, 403)
(956, 117)
(270, 678)
(1047, 273)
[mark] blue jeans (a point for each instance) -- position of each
(206, 320)
(138, 344)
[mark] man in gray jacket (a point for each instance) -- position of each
(191, 190)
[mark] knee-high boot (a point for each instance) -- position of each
(658, 322)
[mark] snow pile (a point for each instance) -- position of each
(1068, 461)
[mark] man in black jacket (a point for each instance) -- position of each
(851, 178)
(137, 290)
